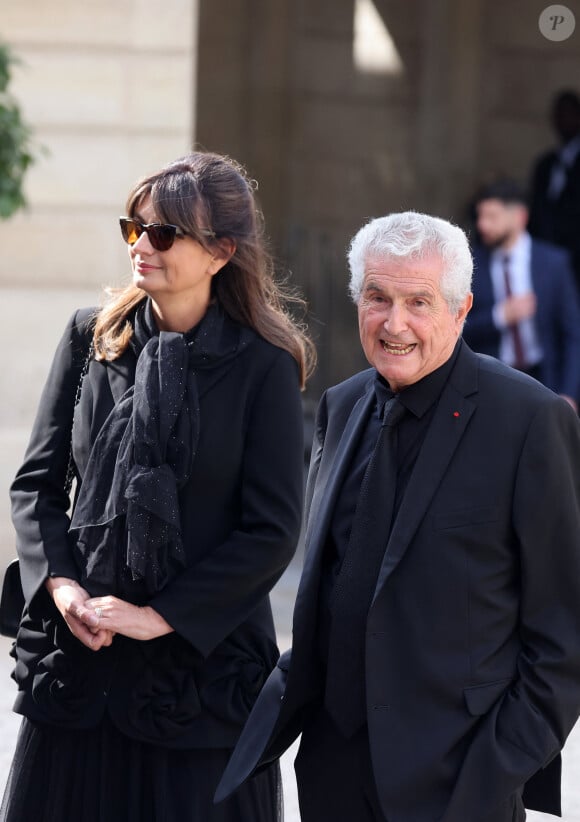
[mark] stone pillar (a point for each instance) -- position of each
(244, 106)
(449, 105)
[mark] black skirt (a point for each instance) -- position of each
(101, 775)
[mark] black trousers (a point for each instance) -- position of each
(334, 775)
(336, 783)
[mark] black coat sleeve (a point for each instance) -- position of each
(40, 503)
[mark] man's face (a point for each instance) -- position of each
(499, 223)
(406, 328)
(566, 120)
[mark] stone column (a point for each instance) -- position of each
(244, 106)
(449, 104)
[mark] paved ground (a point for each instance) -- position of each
(31, 325)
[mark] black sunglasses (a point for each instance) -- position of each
(161, 235)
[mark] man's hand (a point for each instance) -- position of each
(519, 307)
(70, 599)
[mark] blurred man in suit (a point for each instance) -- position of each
(555, 184)
(435, 667)
(525, 304)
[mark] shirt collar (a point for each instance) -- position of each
(518, 254)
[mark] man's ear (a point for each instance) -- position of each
(464, 309)
(523, 216)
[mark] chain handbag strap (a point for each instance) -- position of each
(70, 470)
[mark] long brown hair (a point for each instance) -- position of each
(211, 192)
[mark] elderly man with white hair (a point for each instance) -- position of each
(435, 669)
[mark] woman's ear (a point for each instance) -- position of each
(223, 251)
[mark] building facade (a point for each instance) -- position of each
(341, 109)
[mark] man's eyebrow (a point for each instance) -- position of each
(371, 285)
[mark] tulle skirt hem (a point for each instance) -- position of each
(100, 775)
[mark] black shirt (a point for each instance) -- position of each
(420, 400)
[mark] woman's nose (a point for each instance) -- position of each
(143, 244)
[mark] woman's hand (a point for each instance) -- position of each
(71, 600)
(120, 617)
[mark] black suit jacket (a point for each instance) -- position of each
(556, 221)
(473, 636)
(557, 319)
(240, 518)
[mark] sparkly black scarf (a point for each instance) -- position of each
(126, 524)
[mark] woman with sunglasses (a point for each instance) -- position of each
(147, 631)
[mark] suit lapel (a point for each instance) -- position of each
(450, 421)
(333, 467)
(339, 446)
(539, 279)
(335, 461)
(121, 374)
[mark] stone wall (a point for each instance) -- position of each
(109, 90)
(337, 120)
(519, 74)
(462, 92)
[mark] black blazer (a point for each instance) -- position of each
(473, 636)
(241, 515)
(557, 319)
(556, 221)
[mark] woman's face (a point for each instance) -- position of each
(184, 271)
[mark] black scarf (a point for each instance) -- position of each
(126, 523)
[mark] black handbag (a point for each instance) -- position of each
(12, 598)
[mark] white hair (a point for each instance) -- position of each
(412, 235)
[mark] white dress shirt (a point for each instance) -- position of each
(520, 256)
